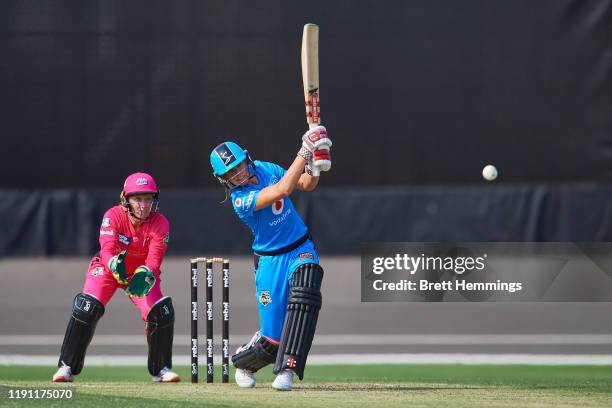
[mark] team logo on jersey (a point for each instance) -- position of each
(97, 271)
(264, 298)
(278, 206)
(238, 202)
(105, 222)
(124, 240)
(141, 181)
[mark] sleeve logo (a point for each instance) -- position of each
(97, 271)
(249, 200)
(105, 222)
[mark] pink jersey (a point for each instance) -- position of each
(145, 245)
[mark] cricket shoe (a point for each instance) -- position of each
(245, 378)
(283, 381)
(63, 374)
(166, 376)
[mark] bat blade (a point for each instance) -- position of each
(310, 73)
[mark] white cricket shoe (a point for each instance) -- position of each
(283, 381)
(63, 374)
(245, 378)
(166, 376)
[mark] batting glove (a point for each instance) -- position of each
(316, 138)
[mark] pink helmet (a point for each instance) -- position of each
(139, 183)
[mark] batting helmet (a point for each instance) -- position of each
(226, 156)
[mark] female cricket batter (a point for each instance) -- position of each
(133, 240)
(287, 272)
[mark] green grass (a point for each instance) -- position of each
(374, 386)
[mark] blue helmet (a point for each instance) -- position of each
(225, 157)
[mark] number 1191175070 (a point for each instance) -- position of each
(40, 394)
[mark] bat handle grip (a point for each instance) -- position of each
(316, 172)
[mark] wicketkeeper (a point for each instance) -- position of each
(287, 272)
(133, 240)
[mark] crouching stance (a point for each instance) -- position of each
(133, 241)
(287, 272)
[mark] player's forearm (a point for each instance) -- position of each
(108, 249)
(314, 182)
(290, 180)
(308, 182)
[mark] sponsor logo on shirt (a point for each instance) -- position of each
(238, 202)
(264, 298)
(280, 219)
(273, 180)
(124, 240)
(277, 206)
(107, 232)
(105, 222)
(141, 181)
(305, 255)
(167, 238)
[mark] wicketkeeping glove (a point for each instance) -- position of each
(141, 283)
(117, 267)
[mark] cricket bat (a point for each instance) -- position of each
(310, 76)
